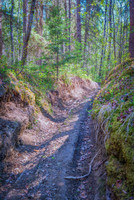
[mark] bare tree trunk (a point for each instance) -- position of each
(18, 35)
(11, 33)
(24, 53)
(24, 19)
(103, 45)
(57, 58)
(88, 7)
(131, 39)
(120, 47)
(1, 42)
(39, 26)
(78, 21)
(123, 40)
(57, 66)
(41, 18)
(65, 5)
(37, 16)
(110, 34)
(69, 25)
(114, 33)
(127, 30)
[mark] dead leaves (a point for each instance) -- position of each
(82, 191)
(83, 195)
(36, 150)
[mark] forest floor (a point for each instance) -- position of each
(63, 147)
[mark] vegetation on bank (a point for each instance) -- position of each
(114, 111)
(34, 83)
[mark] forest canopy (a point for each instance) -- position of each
(88, 37)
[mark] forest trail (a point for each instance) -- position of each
(38, 170)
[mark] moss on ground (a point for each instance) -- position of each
(31, 90)
(118, 120)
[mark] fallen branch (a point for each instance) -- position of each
(86, 175)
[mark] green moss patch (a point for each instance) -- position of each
(114, 108)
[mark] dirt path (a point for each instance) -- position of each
(64, 147)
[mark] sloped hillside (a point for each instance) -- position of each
(114, 112)
(24, 102)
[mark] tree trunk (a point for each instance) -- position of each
(120, 46)
(11, 33)
(110, 34)
(131, 39)
(1, 42)
(65, 5)
(41, 18)
(69, 25)
(88, 7)
(114, 33)
(57, 57)
(18, 35)
(78, 21)
(103, 44)
(24, 53)
(24, 19)
(57, 65)
(39, 27)
(37, 16)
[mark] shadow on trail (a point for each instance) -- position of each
(28, 183)
(42, 181)
(31, 148)
(47, 115)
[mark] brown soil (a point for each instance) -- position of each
(54, 147)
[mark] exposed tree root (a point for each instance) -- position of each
(86, 175)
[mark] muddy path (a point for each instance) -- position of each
(37, 170)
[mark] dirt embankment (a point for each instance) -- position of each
(41, 144)
(114, 112)
(18, 111)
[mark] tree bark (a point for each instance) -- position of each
(41, 18)
(69, 25)
(131, 38)
(24, 52)
(120, 46)
(114, 32)
(39, 26)
(65, 5)
(87, 19)
(1, 42)
(24, 19)
(57, 65)
(103, 44)
(11, 33)
(78, 21)
(88, 7)
(18, 35)
(110, 34)
(37, 16)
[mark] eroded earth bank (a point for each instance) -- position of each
(36, 162)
